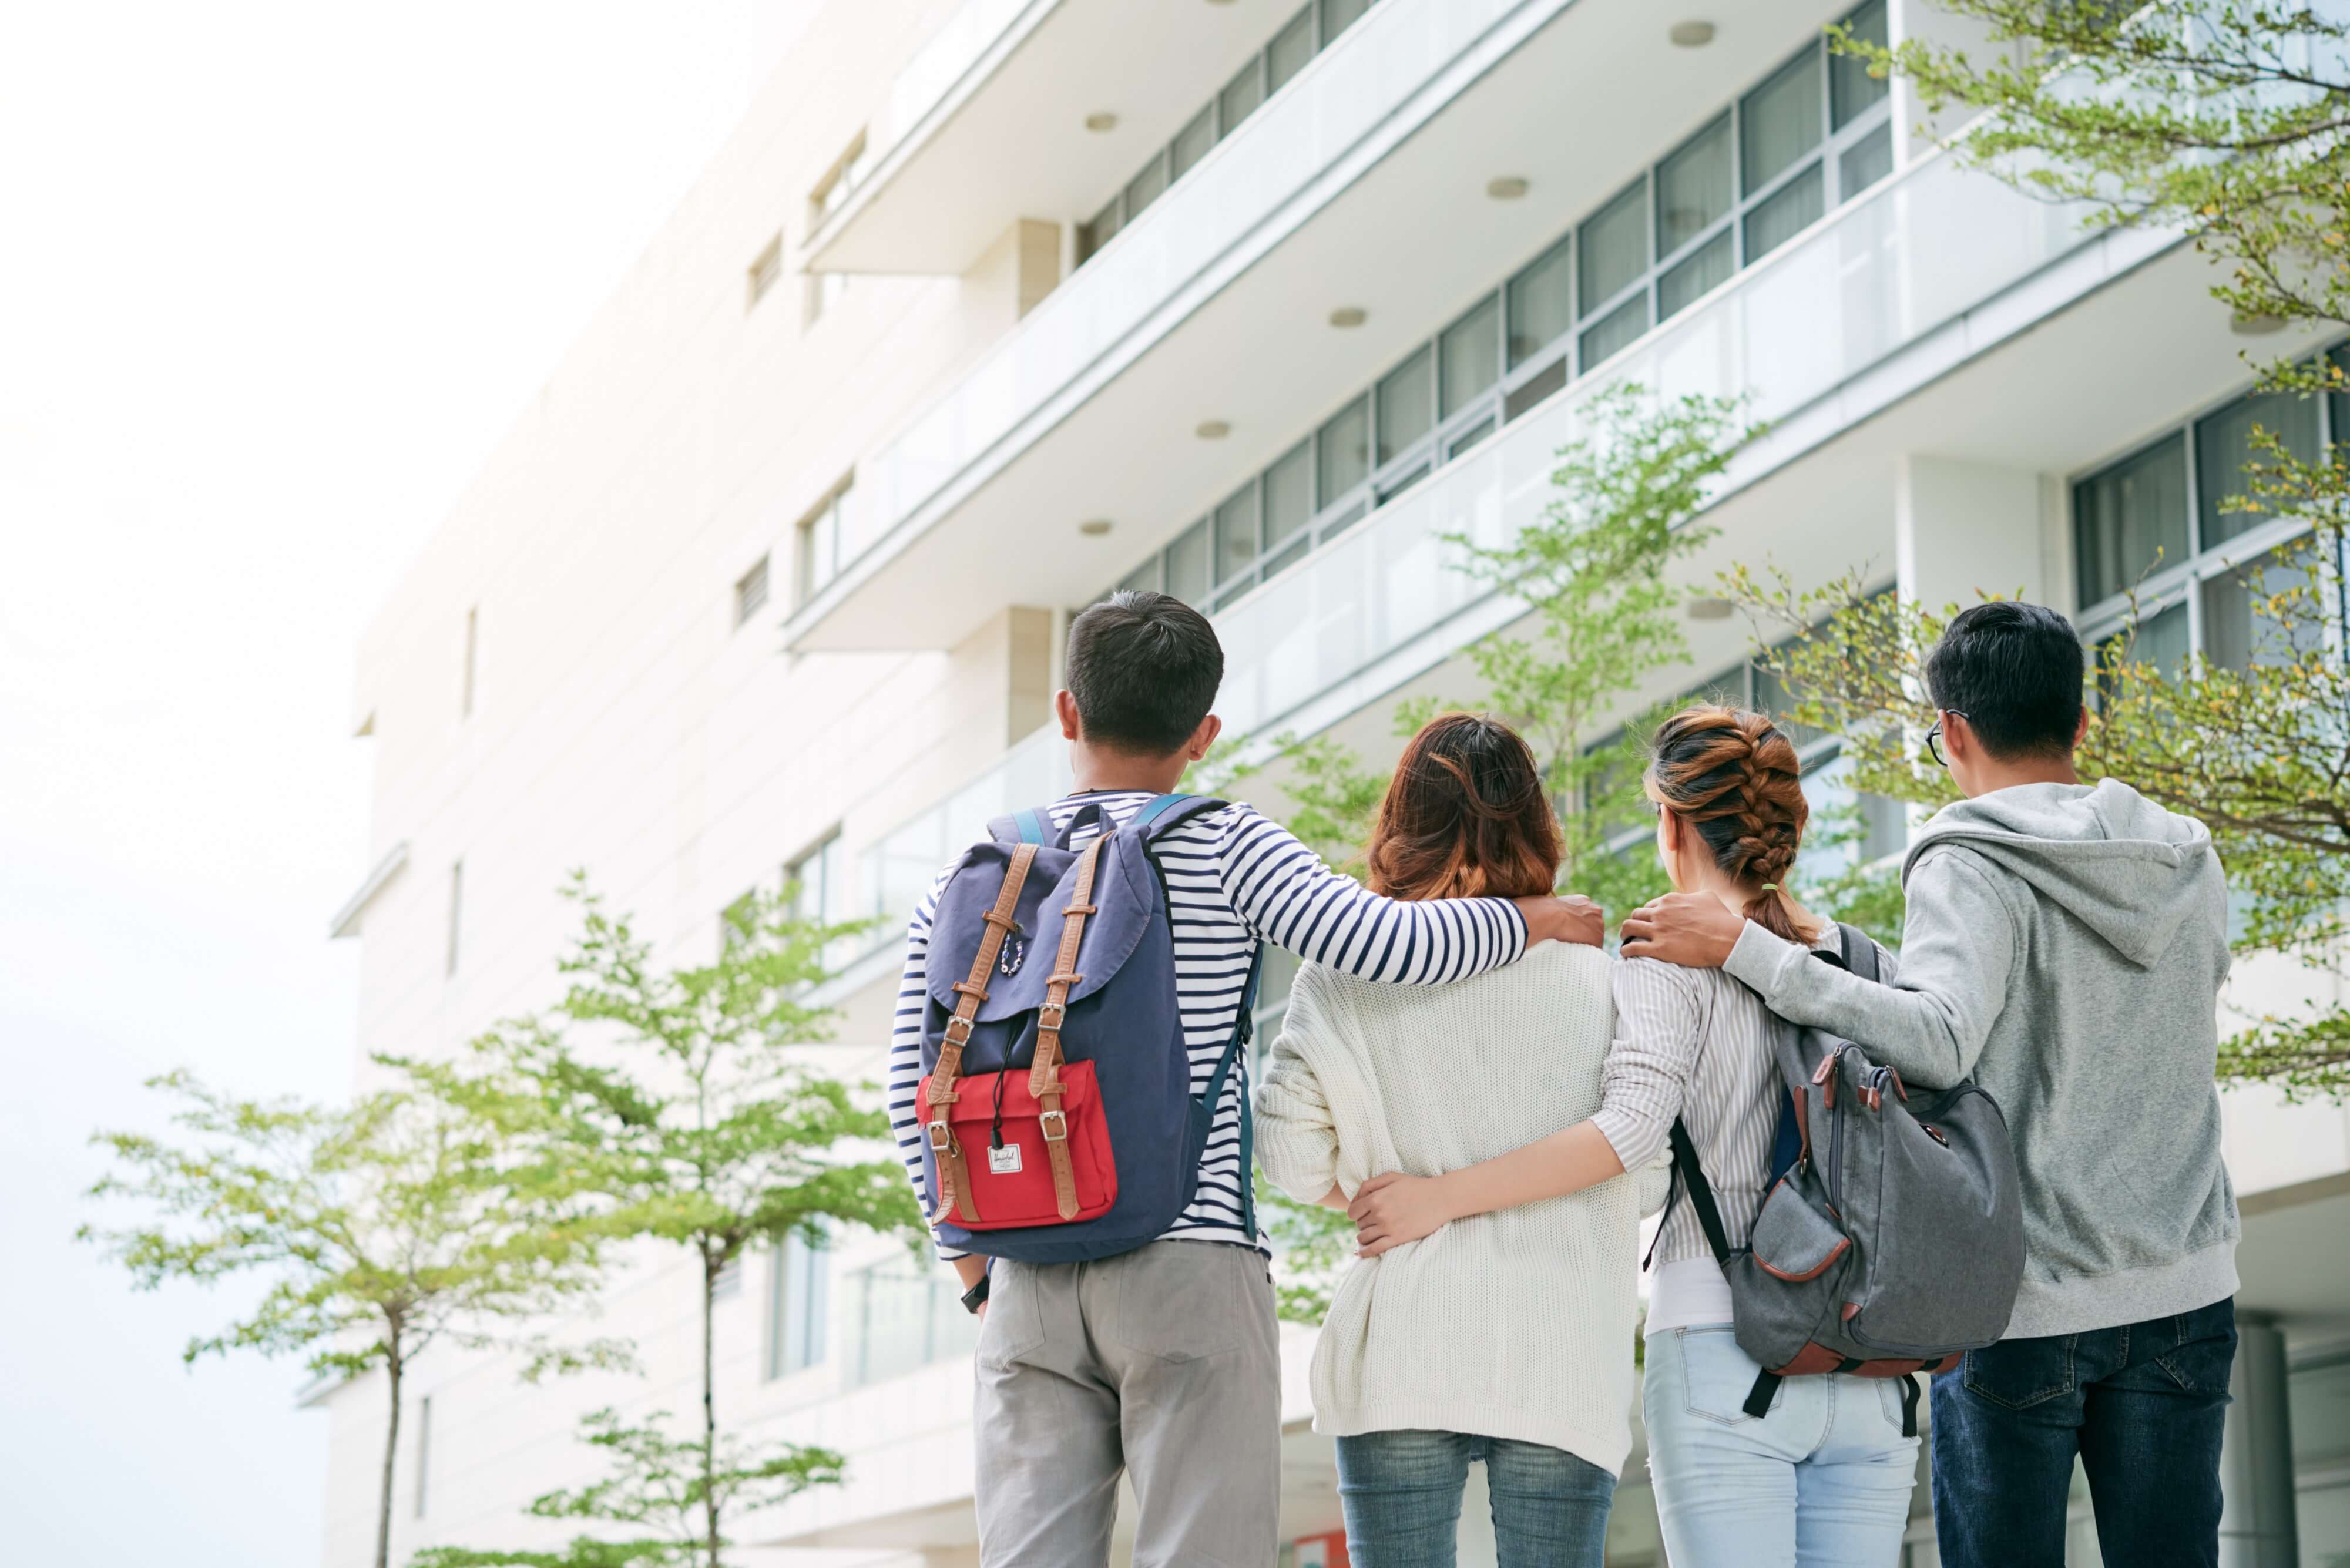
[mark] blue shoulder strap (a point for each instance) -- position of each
(1154, 807)
(1029, 825)
(1243, 1032)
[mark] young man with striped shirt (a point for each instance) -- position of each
(1164, 1362)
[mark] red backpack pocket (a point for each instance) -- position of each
(1004, 1168)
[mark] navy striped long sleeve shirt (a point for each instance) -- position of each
(1233, 880)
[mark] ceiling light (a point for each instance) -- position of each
(1505, 188)
(1093, 527)
(1214, 430)
(1710, 609)
(1101, 120)
(1349, 315)
(2244, 324)
(1691, 34)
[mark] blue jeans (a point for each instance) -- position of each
(2141, 1404)
(1823, 1479)
(1401, 1491)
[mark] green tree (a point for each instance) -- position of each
(2226, 120)
(1598, 573)
(670, 1103)
(380, 1229)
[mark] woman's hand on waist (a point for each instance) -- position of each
(1392, 1209)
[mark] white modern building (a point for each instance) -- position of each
(990, 305)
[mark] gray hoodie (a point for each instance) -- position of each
(2065, 946)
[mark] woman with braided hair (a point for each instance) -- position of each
(1824, 1478)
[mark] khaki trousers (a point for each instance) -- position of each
(1165, 1362)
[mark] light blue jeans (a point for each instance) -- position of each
(1823, 1480)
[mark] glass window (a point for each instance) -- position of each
(2223, 444)
(1615, 331)
(1235, 523)
(819, 884)
(1191, 142)
(1240, 97)
(1864, 162)
(2129, 519)
(1790, 209)
(1289, 494)
(1145, 187)
(1468, 355)
(1470, 436)
(2339, 402)
(1390, 491)
(1851, 90)
(1711, 264)
(1779, 122)
(1535, 388)
(1614, 246)
(904, 1314)
(2320, 1405)
(2161, 640)
(1542, 303)
(1345, 448)
(799, 1303)
(1144, 578)
(1693, 187)
(1337, 15)
(1092, 236)
(1187, 564)
(2239, 630)
(1290, 49)
(1406, 406)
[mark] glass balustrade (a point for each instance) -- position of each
(1906, 261)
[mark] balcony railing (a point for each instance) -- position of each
(1170, 256)
(1899, 267)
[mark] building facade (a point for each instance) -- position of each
(991, 305)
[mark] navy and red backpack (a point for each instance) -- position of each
(1058, 1122)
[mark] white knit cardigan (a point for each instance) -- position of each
(1517, 1324)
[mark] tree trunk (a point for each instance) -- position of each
(711, 1264)
(392, 1368)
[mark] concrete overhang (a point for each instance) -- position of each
(990, 121)
(1099, 424)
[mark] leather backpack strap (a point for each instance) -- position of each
(1044, 1070)
(954, 1178)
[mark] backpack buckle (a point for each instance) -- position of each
(954, 1039)
(1059, 1010)
(1056, 1126)
(942, 1138)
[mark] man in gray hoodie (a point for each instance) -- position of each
(2064, 947)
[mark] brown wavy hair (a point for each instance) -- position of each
(1465, 817)
(1732, 776)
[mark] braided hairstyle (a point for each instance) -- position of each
(1732, 776)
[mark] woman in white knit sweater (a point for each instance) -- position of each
(1508, 1337)
(1822, 1479)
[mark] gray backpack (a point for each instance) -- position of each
(1891, 1237)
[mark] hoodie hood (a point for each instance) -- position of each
(2125, 867)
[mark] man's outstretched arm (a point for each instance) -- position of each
(1958, 951)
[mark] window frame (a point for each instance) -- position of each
(2184, 581)
(829, 512)
(754, 589)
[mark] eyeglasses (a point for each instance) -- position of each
(1934, 735)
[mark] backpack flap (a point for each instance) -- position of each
(1121, 896)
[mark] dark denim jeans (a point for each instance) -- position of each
(2142, 1406)
(1401, 1491)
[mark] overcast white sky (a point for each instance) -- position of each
(274, 280)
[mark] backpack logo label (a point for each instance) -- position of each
(1003, 1161)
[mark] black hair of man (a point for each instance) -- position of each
(1144, 669)
(2014, 671)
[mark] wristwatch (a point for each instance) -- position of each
(976, 1297)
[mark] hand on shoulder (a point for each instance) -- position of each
(1569, 917)
(1696, 931)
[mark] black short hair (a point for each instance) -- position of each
(1144, 669)
(2014, 671)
